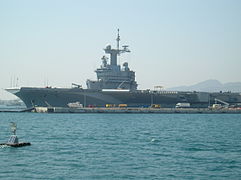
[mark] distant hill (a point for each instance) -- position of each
(210, 86)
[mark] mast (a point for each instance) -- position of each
(118, 40)
(114, 52)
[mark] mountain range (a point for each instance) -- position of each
(210, 86)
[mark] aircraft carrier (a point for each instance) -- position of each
(116, 85)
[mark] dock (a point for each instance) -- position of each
(137, 110)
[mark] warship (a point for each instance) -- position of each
(116, 85)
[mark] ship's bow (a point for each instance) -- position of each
(13, 90)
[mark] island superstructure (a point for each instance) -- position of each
(116, 85)
(113, 76)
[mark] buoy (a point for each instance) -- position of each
(13, 140)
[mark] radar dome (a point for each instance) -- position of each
(108, 46)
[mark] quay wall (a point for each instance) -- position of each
(137, 110)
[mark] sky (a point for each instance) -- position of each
(172, 42)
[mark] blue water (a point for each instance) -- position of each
(122, 146)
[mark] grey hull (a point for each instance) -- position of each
(60, 97)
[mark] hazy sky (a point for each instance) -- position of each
(173, 42)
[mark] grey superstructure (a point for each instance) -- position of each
(113, 76)
(115, 85)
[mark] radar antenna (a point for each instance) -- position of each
(118, 39)
(115, 52)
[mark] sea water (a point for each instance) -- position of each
(122, 146)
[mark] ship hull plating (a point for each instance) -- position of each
(61, 97)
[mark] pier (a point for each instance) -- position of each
(138, 110)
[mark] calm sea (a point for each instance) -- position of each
(122, 146)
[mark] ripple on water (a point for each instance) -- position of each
(122, 146)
